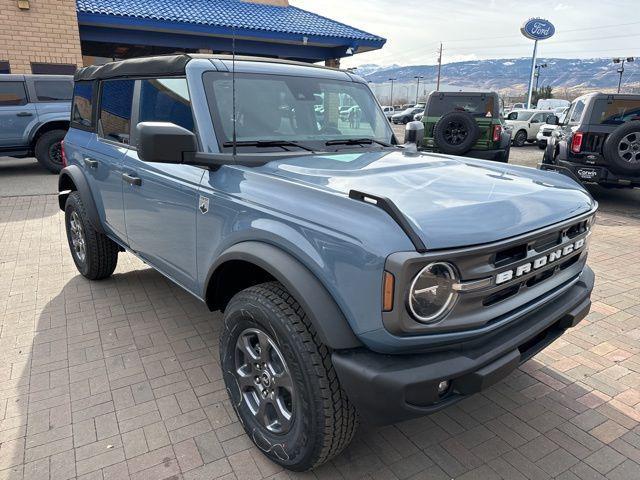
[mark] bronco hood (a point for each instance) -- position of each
(450, 201)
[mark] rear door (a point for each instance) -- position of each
(105, 152)
(53, 96)
(161, 200)
(17, 113)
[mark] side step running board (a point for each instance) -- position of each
(394, 212)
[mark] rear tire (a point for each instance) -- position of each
(311, 419)
(94, 254)
(48, 150)
(622, 149)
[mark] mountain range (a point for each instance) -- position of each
(512, 75)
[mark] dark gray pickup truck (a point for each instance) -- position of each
(34, 117)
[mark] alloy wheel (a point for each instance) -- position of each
(77, 237)
(629, 148)
(455, 133)
(264, 379)
(55, 153)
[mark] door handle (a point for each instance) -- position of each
(131, 180)
(24, 114)
(90, 162)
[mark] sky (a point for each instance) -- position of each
(475, 30)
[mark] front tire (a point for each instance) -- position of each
(94, 254)
(520, 138)
(48, 150)
(281, 381)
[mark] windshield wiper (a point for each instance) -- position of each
(267, 144)
(358, 141)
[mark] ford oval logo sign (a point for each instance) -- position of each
(538, 29)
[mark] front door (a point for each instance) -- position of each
(161, 200)
(106, 151)
(17, 114)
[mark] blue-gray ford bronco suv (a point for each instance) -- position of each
(358, 279)
(34, 117)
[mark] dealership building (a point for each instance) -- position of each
(58, 36)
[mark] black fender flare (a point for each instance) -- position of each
(77, 177)
(321, 309)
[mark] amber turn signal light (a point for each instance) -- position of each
(387, 292)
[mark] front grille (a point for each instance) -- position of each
(546, 134)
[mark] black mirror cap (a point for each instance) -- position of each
(164, 142)
(414, 134)
(553, 120)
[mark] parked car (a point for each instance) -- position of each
(599, 141)
(418, 116)
(466, 123)
(388, 111)
(406, 115)
(34, 115)
(547, 129)
(358, 279)
(524, 125)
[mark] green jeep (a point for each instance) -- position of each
(467, 124)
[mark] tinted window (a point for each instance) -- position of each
(51, 91)
(520, 116)
(5, 67)
(475, 105)
(12, 94)
(166, 100)
(115, 110)
(615, 112)
(82, 108)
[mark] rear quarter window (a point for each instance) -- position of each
(615, 112)
(12, 94)
(53, 90)
(82, 106)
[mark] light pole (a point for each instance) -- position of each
(418, 77)
(392, 80)
(621, 69)
(538, 67)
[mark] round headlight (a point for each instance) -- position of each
(431, 295)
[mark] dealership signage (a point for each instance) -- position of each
(538, 29)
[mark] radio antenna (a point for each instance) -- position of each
(233, 90)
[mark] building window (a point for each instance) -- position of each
(82, 109)
(53, 90)
(115, 110)
(53, 69)
(12, 94)
(166, 100)
(4, 67)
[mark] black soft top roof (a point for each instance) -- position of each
(161, 65)
(164, 65)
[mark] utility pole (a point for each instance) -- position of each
(439, 67)
(391, 80)
(418, 77)
(621, 69)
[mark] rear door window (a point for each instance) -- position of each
(615, 112)
(114, 121)
(82, 106)
(475, 105)
(12, 94)
(53, 90)
(575, 114)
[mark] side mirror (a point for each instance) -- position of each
(553, 120)
(414, 135)
(164, 142)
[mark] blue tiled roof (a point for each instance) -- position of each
(230, 14)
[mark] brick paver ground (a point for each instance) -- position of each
(120, 379)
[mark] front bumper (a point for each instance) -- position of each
(594, 174)
(389, 388)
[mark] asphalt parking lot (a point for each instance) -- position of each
(120, 379)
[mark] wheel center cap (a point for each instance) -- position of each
(266, 378)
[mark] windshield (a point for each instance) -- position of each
(523, 116)
(302, 110)
(476, 105)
